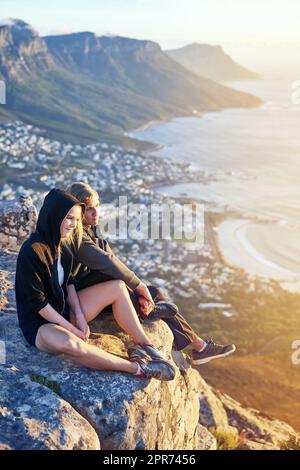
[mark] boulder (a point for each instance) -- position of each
(18, 220)
(126, 412)
(35, 418)
(206, 441)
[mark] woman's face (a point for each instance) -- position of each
(92, 211)
(70, 221)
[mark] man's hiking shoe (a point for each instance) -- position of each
(163, 310)
(145, 351)
(160, 370)
(210, 352)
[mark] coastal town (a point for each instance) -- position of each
(32, 164)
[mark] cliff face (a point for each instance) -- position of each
(24, 54)
(48, 402)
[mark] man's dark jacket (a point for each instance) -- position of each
(95, 254)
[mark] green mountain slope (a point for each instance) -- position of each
(81, 87)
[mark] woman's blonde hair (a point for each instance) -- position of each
(82, 191)
(75, 237)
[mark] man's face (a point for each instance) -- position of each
(92, 211)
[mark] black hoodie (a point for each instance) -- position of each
(36, 283)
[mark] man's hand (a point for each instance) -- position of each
(143, 291)
(145, 306)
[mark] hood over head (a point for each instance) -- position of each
(56, 206)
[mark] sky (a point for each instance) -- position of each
(253, 31)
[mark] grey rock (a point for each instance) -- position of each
(206, 441)
(32, 417)
(127, 412)
(17, 221)
(212, 412)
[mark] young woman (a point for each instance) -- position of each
(52, 316)
(96, 263)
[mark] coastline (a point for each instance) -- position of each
(239, 252)
(236, 246)
(142, 128)
(230, 245)
(152, 123)
(145, 126)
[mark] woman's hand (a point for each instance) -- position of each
(79, 320)
(76, 331)
(82, 325)
(52, 316)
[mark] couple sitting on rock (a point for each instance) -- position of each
(66, 275)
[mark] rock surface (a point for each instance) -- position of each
(212, 411)
(254, 425)
(206, 441)
(18, 219)
(256, 430)
(127, 412)
(35, 418)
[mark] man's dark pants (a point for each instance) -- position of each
(182, 331)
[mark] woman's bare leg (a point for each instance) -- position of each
(55, 339)
(93, 299)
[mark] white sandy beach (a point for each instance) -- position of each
(238, 251)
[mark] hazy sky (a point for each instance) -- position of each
(252, 30)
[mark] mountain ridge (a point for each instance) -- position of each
(98, 87)
(211, 62)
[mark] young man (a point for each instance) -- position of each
(96, 262)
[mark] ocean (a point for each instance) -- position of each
(253, 156)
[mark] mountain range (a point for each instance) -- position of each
(81, 87)
(211, 62)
